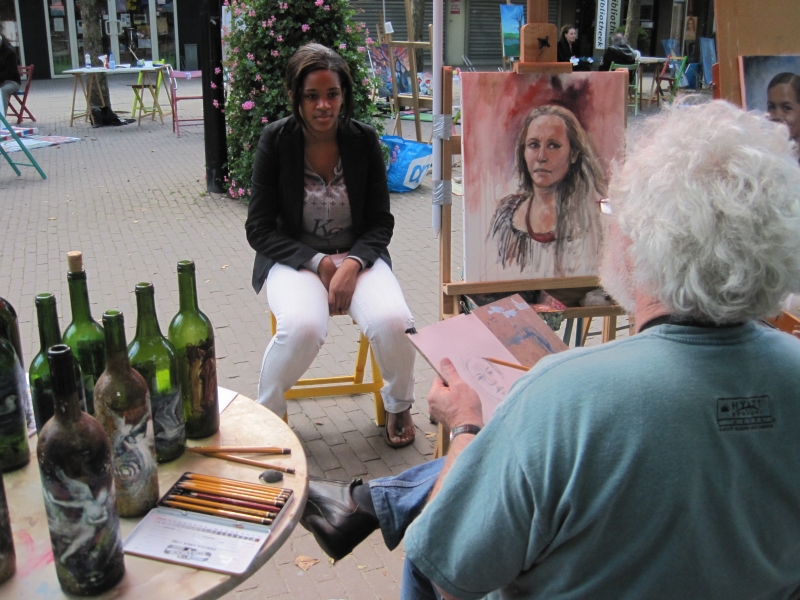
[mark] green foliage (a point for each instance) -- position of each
(262, 38)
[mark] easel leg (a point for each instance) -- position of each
(609, 328)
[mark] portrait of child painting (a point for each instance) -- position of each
(537, 151)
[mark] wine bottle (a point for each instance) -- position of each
(9, 315)
(191, 333)
(39, 372)
(74, 455)
(8, 559)
(84, 335)
(14, 451)
(156, 359)
(122, 405)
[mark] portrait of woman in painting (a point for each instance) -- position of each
(783, 104)
(551, 225)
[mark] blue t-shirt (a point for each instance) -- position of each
(665, 465)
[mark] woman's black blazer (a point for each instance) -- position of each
(275, 213)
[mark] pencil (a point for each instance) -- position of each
(241, 449)
(223, 506)
(255, 463)
(275, 500)
(504, 363)
(239, 489)
(227, 500)
(219, 512)
(241, 484)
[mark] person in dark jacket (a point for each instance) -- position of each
(9, 73)
(566, 43)
(619, 52)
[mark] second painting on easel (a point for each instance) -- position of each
(537, 151)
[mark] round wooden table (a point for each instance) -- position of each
(244, 423)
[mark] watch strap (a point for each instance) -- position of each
(473, 429)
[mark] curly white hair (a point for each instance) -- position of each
(709, 196)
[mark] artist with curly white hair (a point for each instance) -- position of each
(661, 465)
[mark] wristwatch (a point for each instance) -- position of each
(473, 429)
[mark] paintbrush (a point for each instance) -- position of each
(230, 493)
(219, 512)
(221, 498)
(240, 449)
(504, 363)
(255, 463)
(267, 493)
(223, 506)
(259, 487)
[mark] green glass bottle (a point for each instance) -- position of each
(39, 372)
(9, 315)
(14, 451)
(74, 455)
(122, 405)
(156, 359)
(8, 558)
(84, 335)
(191, 333)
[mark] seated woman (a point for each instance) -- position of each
(320, 224)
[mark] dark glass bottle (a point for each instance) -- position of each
(14, 451)
(156, 359)
(9, 315)
(8, 559)
(84, 335)
(122, 405)
(191, 333)
(74, 455)
(39, 372)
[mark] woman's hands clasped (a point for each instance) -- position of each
(340, 283)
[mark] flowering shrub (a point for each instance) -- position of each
(262, 37)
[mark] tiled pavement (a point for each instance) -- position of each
(134, 200)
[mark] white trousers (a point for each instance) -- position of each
(7, 89)
(299, 302)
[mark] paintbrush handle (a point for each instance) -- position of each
(223, 506)
(259, 487)
(240, 449)
(257, 505)
(255, 463)
(219, 512)
(504, 363)
(231, 493)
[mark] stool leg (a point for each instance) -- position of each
(377, 378)
(361, 359)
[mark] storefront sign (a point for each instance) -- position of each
(601, 34)
(455, 7)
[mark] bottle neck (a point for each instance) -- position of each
(187, 289)
(146, 320)
(79, 297)
(47, 316)
(66, 403)
(116, 348)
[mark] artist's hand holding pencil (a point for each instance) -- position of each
(455, 403)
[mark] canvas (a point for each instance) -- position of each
(512, 17)
(382, 64)
(541, 220)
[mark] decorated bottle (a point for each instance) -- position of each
(155, 358)
(9, 315)
(8, 559)
(84, 335)
(14, 451)
(39, 372)
(74, 455)
(122, 405)
(193, 337)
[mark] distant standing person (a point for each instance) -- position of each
(9, 73)
(619, 52)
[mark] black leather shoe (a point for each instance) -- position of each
(333, 517)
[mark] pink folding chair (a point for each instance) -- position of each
(21, 97)
(175, 98)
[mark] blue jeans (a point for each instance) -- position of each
(398, 500)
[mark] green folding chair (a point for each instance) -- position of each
(14, 164)
(633, 84)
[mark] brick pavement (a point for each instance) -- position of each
(133, 200)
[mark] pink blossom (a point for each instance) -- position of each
(252, 13)
(240, 191)
(348, 29)
(263, 23)
(216, 103)
(222, 110)
(326, 7)
(236, 49)
(319, 2)
(279, 38)
(305, 27)
(258, 77)
(366, 31)
(365, 81)
(235, 64)
(370, 41)
(237, 11)
(230, 130)
(217, 71)
(225, 3)
(258, 62)
(225, 178)
(248, 191)
(275, 53)
(213, 85)
(342, 46)
(247, 146)
(263, 88)
(361, 49)
(248, 105)
(359, 26)
(264, 120)
(272, 33)
(250, 56)
(283, 6)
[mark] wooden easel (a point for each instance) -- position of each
(450, 291)
(412, 100)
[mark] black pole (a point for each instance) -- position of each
(213, 117)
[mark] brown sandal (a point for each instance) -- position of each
(387, 436)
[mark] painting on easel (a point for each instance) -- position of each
(537, 151)
(382, 64)
(772, 84)
(512, 17)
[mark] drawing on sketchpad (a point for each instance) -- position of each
(537, 151)
(512, 17)
(508, 330)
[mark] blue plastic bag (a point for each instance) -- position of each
(409, 162)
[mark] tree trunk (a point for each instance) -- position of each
(633, 23)
(418, 27)
(93, 44)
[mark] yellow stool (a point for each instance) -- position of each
(344, 385)
(138, 96)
